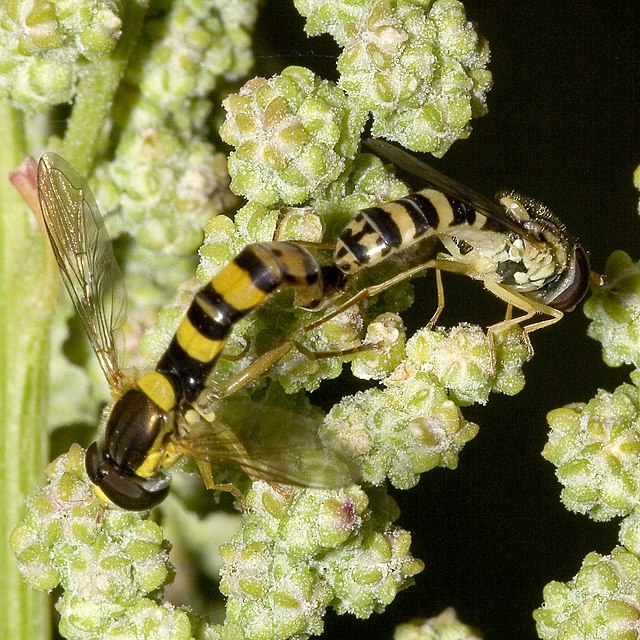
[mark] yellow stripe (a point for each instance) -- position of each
(403, 221)
(155, 457)
(195, 344)
(237, 289)
(152, 460)
(159, 389)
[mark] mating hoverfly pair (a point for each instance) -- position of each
(519, 250)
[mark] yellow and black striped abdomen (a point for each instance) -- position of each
(375, 233)
(240, 286)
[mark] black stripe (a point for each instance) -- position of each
(384, 223)
(226, 312)
(261, 275)
(213, 328)
(190, 374)
(462, 213)
(351, 242)
(423, 213)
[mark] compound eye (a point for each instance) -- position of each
(126, 490)
(577, 289)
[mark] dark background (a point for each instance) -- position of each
(562, 127)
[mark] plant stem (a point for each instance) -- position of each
(27, 297)
(96, 91)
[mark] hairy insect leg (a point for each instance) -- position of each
(373, 290)
(207, 477)
(258, 367)
(530, 308)
(440, 307)
(267, 360)
(229, 441)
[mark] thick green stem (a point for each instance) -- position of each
(96, 92)
(27, 295)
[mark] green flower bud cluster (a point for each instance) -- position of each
(183, 54)
(414, 424)
(460, 360)
(600, 602)
(293, 135)
(166, 179)
(301, 551)
(596, 449)
(614, 307)
(46, 42)
(445, 626)
(419, 67)
(161, 188)
(108, 561)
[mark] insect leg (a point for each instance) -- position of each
(225, 437)
(204, 468)
(269, 359)
(373, 290)
(252, 372)
(530, 307)
(440, 307)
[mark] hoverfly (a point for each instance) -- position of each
(156, 418)
(515, 246)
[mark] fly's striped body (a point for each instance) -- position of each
(378, 232)
(124, 464)
(243, 284)
(145, 430)
(515, 243)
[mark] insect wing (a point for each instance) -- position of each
(269, 443)
(84, 254)
(446, 184)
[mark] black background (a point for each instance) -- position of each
(562, 127)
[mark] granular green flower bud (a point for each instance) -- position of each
(293, 134)
(47, 43)
(163, 202)
(600, 602)
(511, 352)
(629, 535)
(614, 308)
(460, 358)
(107, 561)
(184, 54)
(376, 363)
(445, 626)
(596, 449)
(401, 431)
(39, 83)
(367, 576)
(89, 29)
(420, 70)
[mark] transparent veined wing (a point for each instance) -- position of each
(446, 184)
(84, 254)
(268, 443)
